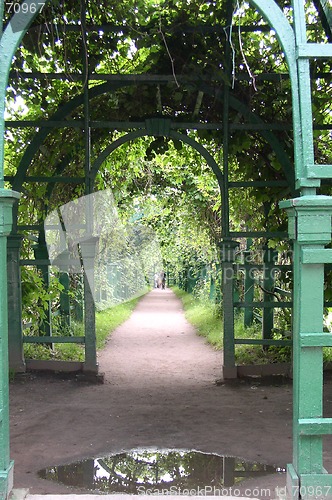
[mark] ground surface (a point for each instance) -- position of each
(160, 391)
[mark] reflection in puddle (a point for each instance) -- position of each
(158, 472)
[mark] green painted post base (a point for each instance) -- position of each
(6, 481)
(228, 372)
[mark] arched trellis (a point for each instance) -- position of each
(154, 127)
(20, 23)
(60, 117)
(159, 127)
(309, 226)
(61, 114)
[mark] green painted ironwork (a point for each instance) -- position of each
(325, 11)
(297, 52)
(264, 305)
(226, 128)
(269, 269)
(58, 119)
(54, 339)
(228, 250)
(9, 41)
(15, 329)
(41, 135)
(41, 255)
(271, 138)
(309, 227)
(63, 265)
(249, 283)
(88, 249)
(162, 127)
(263, 342)
(7, 198)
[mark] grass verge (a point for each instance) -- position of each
(206, 317)
(203, 315)
(106, 322)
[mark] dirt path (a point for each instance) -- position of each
(159, 391)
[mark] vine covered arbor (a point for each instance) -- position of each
(245, 85)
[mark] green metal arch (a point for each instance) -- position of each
(10, 40)
(271, 138)
(41, 135)
(269, 10)
(172, 135)
(101, 89)
(276, 19)
(274, 16)
(203, 152)
(284, 32)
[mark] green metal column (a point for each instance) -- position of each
(249, 284)
(64, 299)
(228, 246)
(63, 264)
(88, 249)
(15, 330)
(41, 252)
(228, 249)
(9, 41)
(7, 199)
(212, 292)
(270, 257)
(78, 299)
(310, 228)
(226, 129)
(236, 293)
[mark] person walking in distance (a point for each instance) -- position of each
(163, 279)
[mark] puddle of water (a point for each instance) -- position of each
(157, 472)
